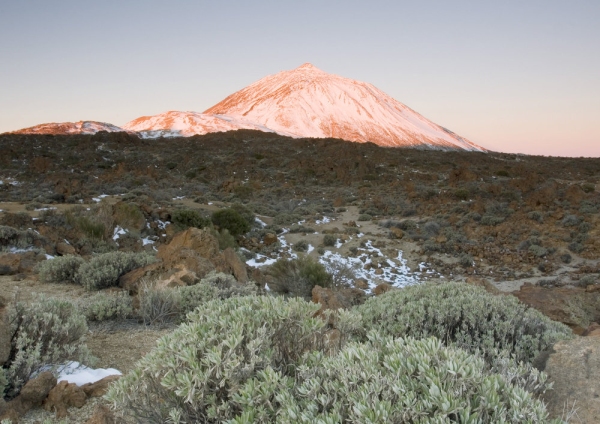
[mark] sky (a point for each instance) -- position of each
(511, 76)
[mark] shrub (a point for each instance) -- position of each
(588, 187)
(44, 333)
(491, 220)
(104, 270)
(286, 218)
(587, 280)
(21, 239)
(186, 218)
(60, 269)
(90, 228)
(104, 306)
(536, 216)
(466, 260)
(538, 251)
(158, 305)
(301, 246)
(575, 247)
(298, 277)
(364, 217)
(231, 220)
(224, 238)
(197, 373)
(461, 194)
(262, 359)
(570, 221)
(329, 240)
(466, 316)
(129, 216)
(566, 258)
(245, 212)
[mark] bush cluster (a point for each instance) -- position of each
(297, 277)
(60, 269)
(104, 306)
(231, 220)
(466, 316)
(44, 333)
(266, 359)
(186, 218)
(104, 270)
(162, 305)
(20, 239)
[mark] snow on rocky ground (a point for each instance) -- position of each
(369, 262)
(74, 372)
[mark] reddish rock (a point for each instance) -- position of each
(63, 248)
(9, 263)
(361, 284)
(200, 241)
(235, 265)
(572, 306)
(33, 393)
(100, 387)
(396, 233)
(179, 278)
(573, 366)
(269, 239)
(63, 396)
(382, 288)
(102, 415)
(131, 280)
(338, 299)
(593, 330)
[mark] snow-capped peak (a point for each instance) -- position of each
(79, 127)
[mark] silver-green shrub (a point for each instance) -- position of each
(262, 359)
(164, 304)
(105, 306)
(391, 380)
(62, 269)
(104, 270)
(466, 316)
(196, 373)
(44, 333)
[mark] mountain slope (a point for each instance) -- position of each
(80, 127)
(307, 102)
(185, 124)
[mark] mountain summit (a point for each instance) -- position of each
(308, 102)
(303, 102)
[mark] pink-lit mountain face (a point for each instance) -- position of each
(307, 102)
(81, 127)
(303, 102)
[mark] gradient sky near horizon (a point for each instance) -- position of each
(512, 76)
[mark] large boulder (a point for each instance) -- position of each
(200, 241)
(574, 368)
(193, 249)
(234, 265)
(4, 331)
(572, 306)
(63, 396)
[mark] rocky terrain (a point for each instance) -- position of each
(375, 217)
